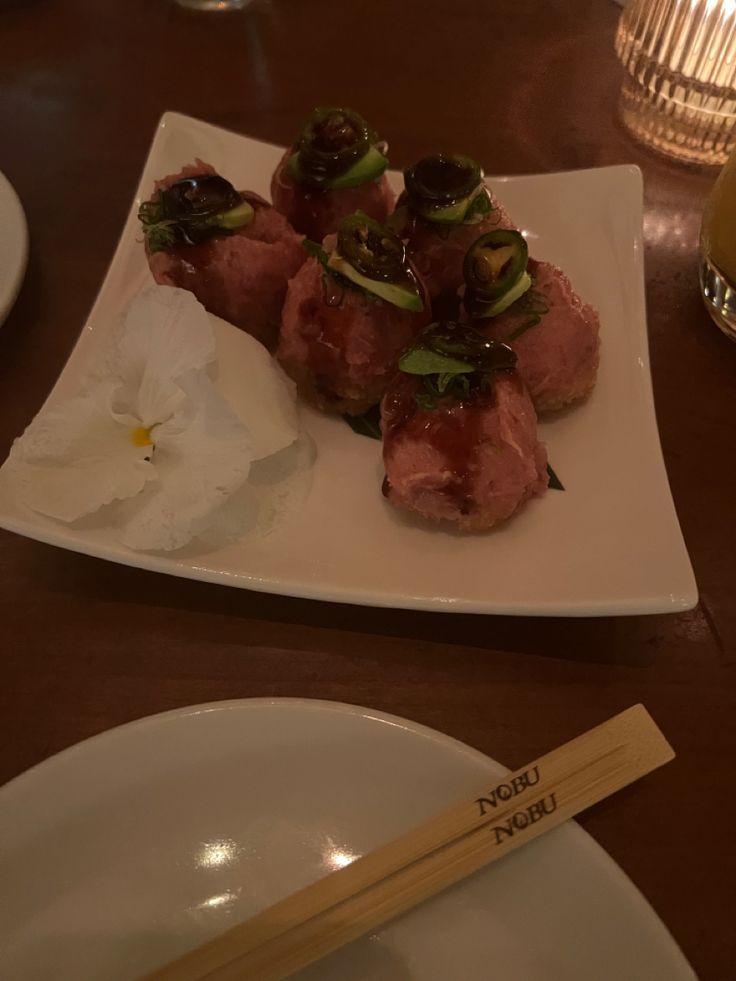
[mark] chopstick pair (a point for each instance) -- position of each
(397, 876)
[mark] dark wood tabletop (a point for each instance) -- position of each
(525, 87)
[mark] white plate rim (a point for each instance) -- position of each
(12, 276)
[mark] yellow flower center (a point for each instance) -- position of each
(140, 436)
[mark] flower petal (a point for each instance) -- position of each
(74, 458)
(165, 334)
(203, 455)
(256, 389)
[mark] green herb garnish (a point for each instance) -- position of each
(424, 361)
(554, 481)
(534, 305)
(438, 387)
(192, 210)
(442, 376)
(315, 250)
(454, 360)
(159, 231)
(368, 424)
(479, 207)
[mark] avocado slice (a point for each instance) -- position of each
(404, 295)
(519, 288)
(236, 217)
(368, 168)
(451, 213)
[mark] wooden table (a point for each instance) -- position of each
(525, 87)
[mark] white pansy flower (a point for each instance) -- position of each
(149, 428)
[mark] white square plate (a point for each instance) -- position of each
(609, 544)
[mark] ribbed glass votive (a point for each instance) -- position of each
(679, 92)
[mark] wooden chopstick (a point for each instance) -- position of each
(390, 880)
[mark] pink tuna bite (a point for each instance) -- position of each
(317, 213)
(340, 346)
(473, 462)
(438, 251)
(240, 277)
(558, 356)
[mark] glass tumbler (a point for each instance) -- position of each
(718, 251)
(679, 91)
